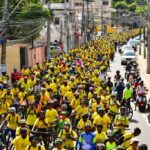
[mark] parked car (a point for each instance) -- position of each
(132, 42)
(128, 55)
(54, 50)
(127, 47)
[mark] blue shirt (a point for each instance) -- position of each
(87, 141)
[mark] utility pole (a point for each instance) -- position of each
(67, 27)
(4, 35)
(83, 22)
(49, 31)
(102, 25)
(87, 20)
(148, 42)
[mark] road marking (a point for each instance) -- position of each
(146, 119)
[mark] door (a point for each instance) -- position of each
(22, 57)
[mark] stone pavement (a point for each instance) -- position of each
(142, 65)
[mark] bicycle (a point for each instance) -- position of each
(48, 138)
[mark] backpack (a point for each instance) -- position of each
(39, 147)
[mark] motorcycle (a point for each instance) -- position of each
(142, 102)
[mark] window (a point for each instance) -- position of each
(56, 21)
(105, 3)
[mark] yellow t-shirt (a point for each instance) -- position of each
(75, 103)
(81, 110)
(12, 121)
(81, 125)
(40, 124)
(20, 143)
(31, 117)
(100, 137)
(105, 120)
(127, 140)
(35, 148)
(51, 115)
(4, 107)
(67, 142)
(94, 106)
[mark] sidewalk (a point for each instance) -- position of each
(143, 66)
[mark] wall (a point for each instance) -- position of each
(35, 55)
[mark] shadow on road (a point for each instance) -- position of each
(134, 121)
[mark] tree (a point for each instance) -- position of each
(121, 5)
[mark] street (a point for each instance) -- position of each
(139, 119)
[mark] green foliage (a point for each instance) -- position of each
(33, 11)
(137, 6)
(28, 11)
(130, 1)
(132, 7)
(121, 5)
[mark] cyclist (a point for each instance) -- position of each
(99, 134)
(111, 143)
(4, 108)
(117, 77)
(119, 89)
(34, 144)
(68, 137)
(126, 138)
(87, 140)
(127, 96)
(102, 118)
(58, 144)
(22, 124)
(134, 144)
(20, 142)
(79, 111)
(51, 113)
(121, 121)
(12, 122)
(113, 106)
(41, 125)
(31, 115)
(81, 124)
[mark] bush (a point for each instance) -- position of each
(121, 5)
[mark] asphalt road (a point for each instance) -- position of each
(139, 119)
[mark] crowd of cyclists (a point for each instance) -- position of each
(69, 103)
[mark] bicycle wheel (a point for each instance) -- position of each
(130, 113)
(148, 118)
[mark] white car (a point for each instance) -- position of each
(54, 50)
(127, 47)
(128, 55)
(132, 42)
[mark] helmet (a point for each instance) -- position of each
(110, 133)
(67, 124)
(128, 84)
(58, 141)
(142, 147)
(12, 109)
(22, 121)
(64, 106)
(1, 86)
(87, 125)
(114, 94)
